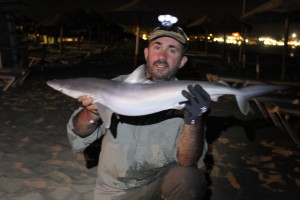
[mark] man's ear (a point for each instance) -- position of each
(146, 53)
(184, 59)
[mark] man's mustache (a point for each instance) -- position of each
(161, 62)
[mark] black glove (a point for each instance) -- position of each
(198, 103)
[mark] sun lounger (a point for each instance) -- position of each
(70, 57)
(33, 60)
(6, 82)
(12, 76)
(282, 109)
(284, 112)
(238, 82)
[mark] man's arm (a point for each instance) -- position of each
(191, 144)
(88, 119)
(192, 139)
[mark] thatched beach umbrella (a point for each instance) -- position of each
(87, 19)
(74, 20)
(199, 26)
(219, 24)
(271, 11)
(226, 23)
(16, 5)
(57, 22)
(138, 13)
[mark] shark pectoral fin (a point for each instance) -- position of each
(178, 106)
(243, 104)
(214, 97)
(105, 114)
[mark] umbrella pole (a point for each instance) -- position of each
(60, 42)
(242, 54)
(137, 40)
(285, 51)
(206, 41)
(223, 45)
(136, 51)
(243, 58)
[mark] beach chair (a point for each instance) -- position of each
(11, 76)
(284, 112)
(34, 60)
(241, 82)
(6, 82)
(282, 109)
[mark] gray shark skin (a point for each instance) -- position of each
(136, 99)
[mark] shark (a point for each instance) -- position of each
(136, 96)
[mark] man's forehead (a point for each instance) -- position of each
(166, 41)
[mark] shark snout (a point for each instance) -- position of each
(54, 85)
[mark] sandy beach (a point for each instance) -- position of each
(249, 158)
(36, 161)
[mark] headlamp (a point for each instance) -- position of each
(167, 20)
(168, 28)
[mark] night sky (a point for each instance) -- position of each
(185, 10)
(189, 9)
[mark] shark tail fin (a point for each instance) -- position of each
(246, 93)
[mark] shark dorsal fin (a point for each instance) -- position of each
(137, 76)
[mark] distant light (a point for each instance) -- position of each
(294, 35)
(280, 43)
(167, 20)
(218, 39)
(144, 36)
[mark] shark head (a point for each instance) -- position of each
(65, 86)
(55, 85)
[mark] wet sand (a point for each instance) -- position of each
(249, 158)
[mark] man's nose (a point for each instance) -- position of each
(162, 55)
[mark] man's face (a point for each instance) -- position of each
(164, 56)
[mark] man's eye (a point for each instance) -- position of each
(173, 50)
(156, 47)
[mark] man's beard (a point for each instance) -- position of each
(156, 76)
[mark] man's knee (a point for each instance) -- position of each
(184, 181)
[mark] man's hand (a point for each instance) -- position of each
(87, 102)
(89, 108)
(86, 121)
(198, 103)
